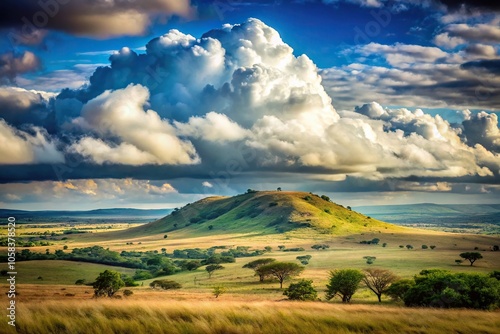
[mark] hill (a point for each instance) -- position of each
(264, 212)
(99, 214)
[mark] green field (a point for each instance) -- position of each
(289, 219)
(61, 272)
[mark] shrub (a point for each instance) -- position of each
(424, 247)
(398, 289)
(302, 290)
(80, 281)
(320, 246)
(325, 198)
(440, 288)
(295, 249)
(128, 293)
(432, 246)
(165, 284)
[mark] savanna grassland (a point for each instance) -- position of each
(50, 302)
(222, 316)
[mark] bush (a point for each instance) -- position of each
(432, 246)
(303, 290)
(295, 249)
(424, 247)
(80, 281)
(320, 246)
(398, 289)
(325, 198)
(440, 288)
(165, 284)
(128, 293)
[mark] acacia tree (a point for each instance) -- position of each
(213, 267)
(471, 256)
(107, 283)
(255, 265)
(280, 270)
(343, 283)
(378, 280)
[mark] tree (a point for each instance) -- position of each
(279, 189)
(432, 246)
(471, 256)
(344, 283)
(281, 247)
(165, 236)
(378, 280)
(213, 267)
(210, 227)
(409, 247)
(107, 283)
(255, 265)
(280, 270)
(219, 290)
(325, 198)
(302, 290)
(268, 248)
(424, 247)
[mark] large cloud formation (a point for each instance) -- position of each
(239, 97)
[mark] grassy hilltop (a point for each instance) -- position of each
(264, 212)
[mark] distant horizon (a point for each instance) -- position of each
(371, 102)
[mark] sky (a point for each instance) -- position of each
(157, 103)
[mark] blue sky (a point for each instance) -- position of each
(124, 104)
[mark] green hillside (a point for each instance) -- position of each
(264, 212)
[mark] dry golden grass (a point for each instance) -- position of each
(230, 316)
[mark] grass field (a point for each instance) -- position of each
(54, 304)
(60, 272)
(222, 316)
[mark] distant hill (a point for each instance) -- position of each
(264, 212)
(99, 214)
(428, 213)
